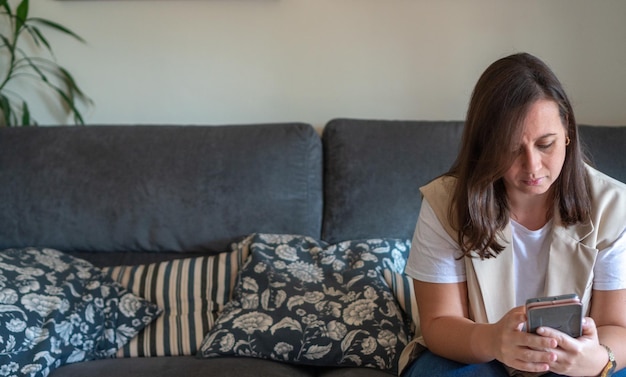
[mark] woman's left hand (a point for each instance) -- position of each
(576, 356)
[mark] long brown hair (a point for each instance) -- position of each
(497, 108)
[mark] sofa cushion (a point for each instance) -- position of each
(157, 188)
(191, 292)
(188, 366)
(604, 145)
(183, 366)
(56, 309)
(373, 170)
(303, 301)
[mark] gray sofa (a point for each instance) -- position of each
(131, 195)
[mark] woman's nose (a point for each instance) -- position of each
(532, 160)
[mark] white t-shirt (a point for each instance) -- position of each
(434, 257)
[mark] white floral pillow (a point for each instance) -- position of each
(56, 309)
(303, 301)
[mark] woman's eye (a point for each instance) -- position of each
(545, 146)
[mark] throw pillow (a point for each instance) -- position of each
(303, 301)
(191, 291)
(401, 284)
(402, 288)
(56, 309)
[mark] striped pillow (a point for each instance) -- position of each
(402, 288)
(191, 292)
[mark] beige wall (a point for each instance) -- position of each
(243, 61)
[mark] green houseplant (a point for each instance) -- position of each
(26, 59)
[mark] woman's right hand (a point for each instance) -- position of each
(518, 349)
(448, 331)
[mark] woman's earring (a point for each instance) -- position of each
(567, 141)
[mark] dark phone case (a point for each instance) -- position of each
(564, 313)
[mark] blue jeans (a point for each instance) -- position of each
(431, 365)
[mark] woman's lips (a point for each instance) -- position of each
(533, 182)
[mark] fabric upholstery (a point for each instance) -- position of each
(157, 188)
(191, 292)
(373, 170)
(605, 148)
(189, 366)
(302, 301)
(184, 366)
(56, 309)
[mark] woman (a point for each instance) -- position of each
(519, 215)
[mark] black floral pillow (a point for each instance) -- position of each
(303, 301)
(56, 309)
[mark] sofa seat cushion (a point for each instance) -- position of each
(188, 366)
(303, 301)
(181, 366)
(56, 309)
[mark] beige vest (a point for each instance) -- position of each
(573, 251)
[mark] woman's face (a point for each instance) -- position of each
(540, 153)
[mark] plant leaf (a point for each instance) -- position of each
(25, 114)
(5, 107)
(7, 43)
(69, 101)
(34, 66)
(21, 14)
(38, 37)
(57, 27)
(5, 4)
(67, 96)
(71, 83)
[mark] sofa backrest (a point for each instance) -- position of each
(606, 148)
(373, 170)
(157, 188)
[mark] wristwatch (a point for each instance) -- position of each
(609, 368)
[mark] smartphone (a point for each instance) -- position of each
(564, 313)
